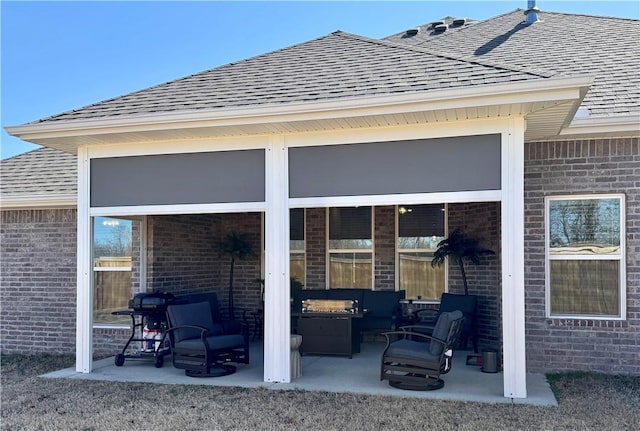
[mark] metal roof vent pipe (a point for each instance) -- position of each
(531, 13)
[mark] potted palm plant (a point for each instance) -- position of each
(460, 247)
(236, 246)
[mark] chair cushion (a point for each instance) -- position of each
(198, 314)
(217, 342)
(410, 349)
(231, 327)
(441, 330)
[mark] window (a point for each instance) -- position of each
(112, 286)
(350, 247)
(585, 256)
(420, 229)
(297, 263)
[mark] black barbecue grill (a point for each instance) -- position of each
(148, 316)
(151, 301)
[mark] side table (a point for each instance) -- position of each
(296, 369)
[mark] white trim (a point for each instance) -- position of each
(277, 298)
(61, 201)
(619, 257)
(178, 209)
(513, 297)
(451, 98)
(609, 125)
(111, 268)
(112, 326)
(84, 305)
(395, 199)
(301, 252)
(143, 255)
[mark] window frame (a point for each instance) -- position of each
(303, 251)
(141, 258)
(329, 250)
(620, 257)
(418, 250)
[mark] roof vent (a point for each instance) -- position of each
(531, 13)
(439, 29)
(436, 23)
(413, 31)
(459, 22)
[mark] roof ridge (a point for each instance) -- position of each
(465, 59)
(590, 15)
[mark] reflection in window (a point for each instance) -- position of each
(297, 245)
(350, 247)
(420, 229)
(585, 255)
(112, 251)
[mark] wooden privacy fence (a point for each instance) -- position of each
(111, 286)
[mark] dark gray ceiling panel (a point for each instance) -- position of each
(173, 179)
(466, 163)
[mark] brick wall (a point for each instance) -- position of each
(184, 256)
(581, 167)
(385, 248)
(247, 272)
(182, 253)
(481, 221)
(316, 245)
(38, 281)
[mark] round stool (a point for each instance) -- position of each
(296, 341)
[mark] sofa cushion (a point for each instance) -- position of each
(381, 303)
(352, 294)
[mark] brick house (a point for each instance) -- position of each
(492, 126)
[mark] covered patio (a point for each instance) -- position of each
(453, 145)
(359, 375)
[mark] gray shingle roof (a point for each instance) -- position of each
(38, 172)
(606, 48)
(338, 65)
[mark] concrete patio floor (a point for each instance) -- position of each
(333, 374)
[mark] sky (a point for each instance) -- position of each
(62, 55)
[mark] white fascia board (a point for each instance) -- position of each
(608, 125)
(481, 95)
(39, 201)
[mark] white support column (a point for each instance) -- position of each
(277, 310)
(513, 328)
(84, 304)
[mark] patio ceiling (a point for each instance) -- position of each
(548, 106)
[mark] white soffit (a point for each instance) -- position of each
(547, 104)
